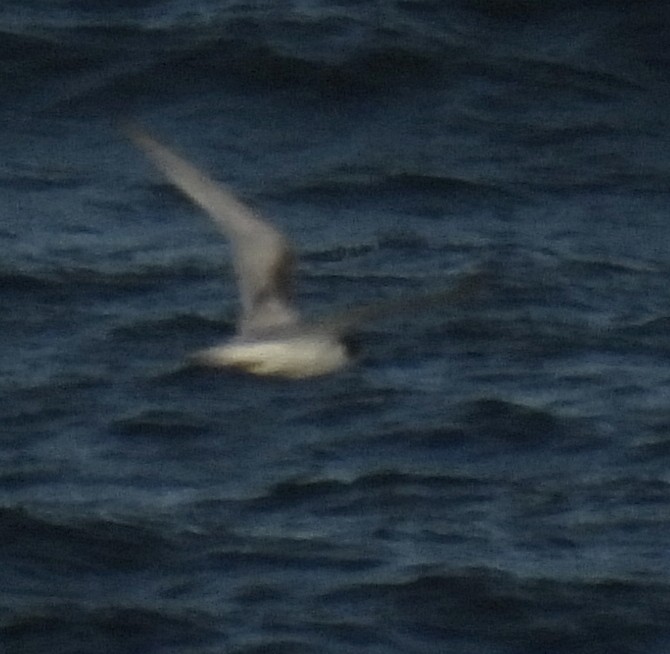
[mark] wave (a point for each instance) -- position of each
(179, 323)
(509, 422)
(273, 553)
(391, 488)
(170, 62)
(88, 545)
(243, 67)
(522, 614)
(656, 327)
(84, 281)
(370, 186)
(162, 424)
(61, 627)
(34, 178)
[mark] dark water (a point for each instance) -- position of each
(491, 478)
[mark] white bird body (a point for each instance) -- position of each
(296, 357)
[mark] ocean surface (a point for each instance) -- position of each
(492, 477)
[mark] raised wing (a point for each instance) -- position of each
(262, 257)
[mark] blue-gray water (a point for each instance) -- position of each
(492, 478)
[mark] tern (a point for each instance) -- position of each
(271, 339)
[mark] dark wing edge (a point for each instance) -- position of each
(350, 320)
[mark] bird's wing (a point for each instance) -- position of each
(351, 319)
(261, 255)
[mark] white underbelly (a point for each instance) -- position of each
(295, 358)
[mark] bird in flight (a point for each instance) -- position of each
(271, 338)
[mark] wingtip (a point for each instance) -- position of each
(134, 131)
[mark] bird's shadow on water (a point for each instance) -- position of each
(196, 383)
(196, 375)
